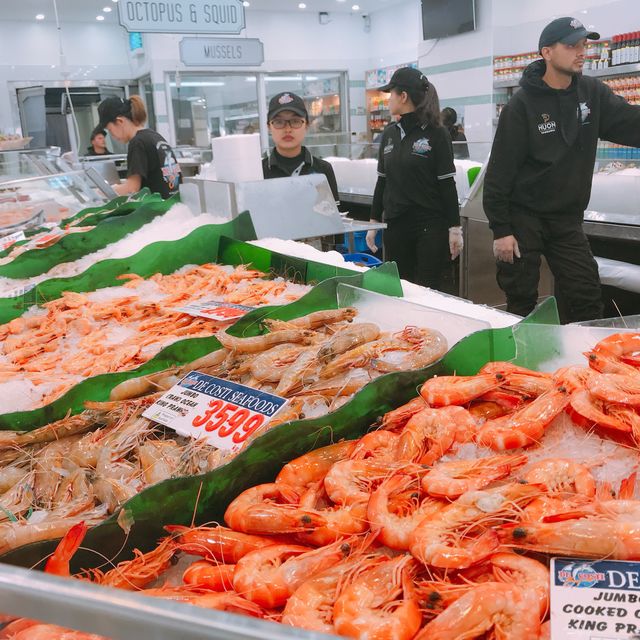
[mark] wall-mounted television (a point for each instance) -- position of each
(442, 18)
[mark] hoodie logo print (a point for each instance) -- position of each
(585, 112)
(548, 125)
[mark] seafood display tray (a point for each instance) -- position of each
(121, 615)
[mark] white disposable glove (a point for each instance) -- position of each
(371, 240)
(505, 248)
(456, 241)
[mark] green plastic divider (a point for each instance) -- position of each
(199, 247)
(76, 245)
(203, 499)
(382, 280)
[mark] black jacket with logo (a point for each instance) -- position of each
(544, 150)
(416, 173)
(276, 166)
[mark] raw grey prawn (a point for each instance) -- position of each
(255, 344)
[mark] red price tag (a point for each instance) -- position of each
(229, 420)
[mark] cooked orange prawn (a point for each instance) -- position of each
(399, 417)
(452, 479)
(442, 539)
(217, 577)
(596, 535)
(616, 388)
(222, 601)
(140, 571)
(216, 543)
(381, 603)
(41, 631)
(270, 575)
(560, 475)
(376, 444)
(256, 511)
(311, 604)
(525, 426)
(341, 520)
(311, 467)
(588, 411)
(58, 562)
(395, 527)
(445, 390)
(520, 379)
(619, 345)
(429, 434)
(511, 611)
(513, 568)
(351, 481)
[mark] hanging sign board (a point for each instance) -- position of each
(221, 52)
(182, 16)
(594, 599)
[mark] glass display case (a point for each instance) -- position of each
(48, 198)
(26, 163)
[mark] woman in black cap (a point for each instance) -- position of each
(288, 122)
(416, 190)
(150, 160)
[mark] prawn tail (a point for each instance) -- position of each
(58, 563)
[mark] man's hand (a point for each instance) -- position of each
(370, 239)
(505, 248)
(456, 242)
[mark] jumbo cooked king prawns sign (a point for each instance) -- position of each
(223, 413)
(595, 600)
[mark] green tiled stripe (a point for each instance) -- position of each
(486, 98)
(460, 65)
(162, 119)
(159, 86)
(356, 84)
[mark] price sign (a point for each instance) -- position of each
(224, 413)
(594, 600)
(11, 239)
(220, 311)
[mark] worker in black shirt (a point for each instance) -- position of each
(416, 190)
(449, 121)
(98, 145)
(538, 180)
(150, 160)
(288, 121)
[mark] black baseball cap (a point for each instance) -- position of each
(407, 78)
(287, 101)
(110, 108)
(565, 30)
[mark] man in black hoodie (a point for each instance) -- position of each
(538, 180)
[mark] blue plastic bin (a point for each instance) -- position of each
(365, 259)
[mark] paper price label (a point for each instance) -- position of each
(220, 311)
(595, 599)
(223, 413)
(11, 239)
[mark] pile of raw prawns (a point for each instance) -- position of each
(389, 536)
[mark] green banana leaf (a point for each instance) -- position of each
(382, 280)
(204, 498)
(76, 245)
(199, 247)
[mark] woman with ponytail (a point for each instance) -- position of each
(416, 191)
(150, 160)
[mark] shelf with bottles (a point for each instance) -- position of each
(627, 86)
(625, 49)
